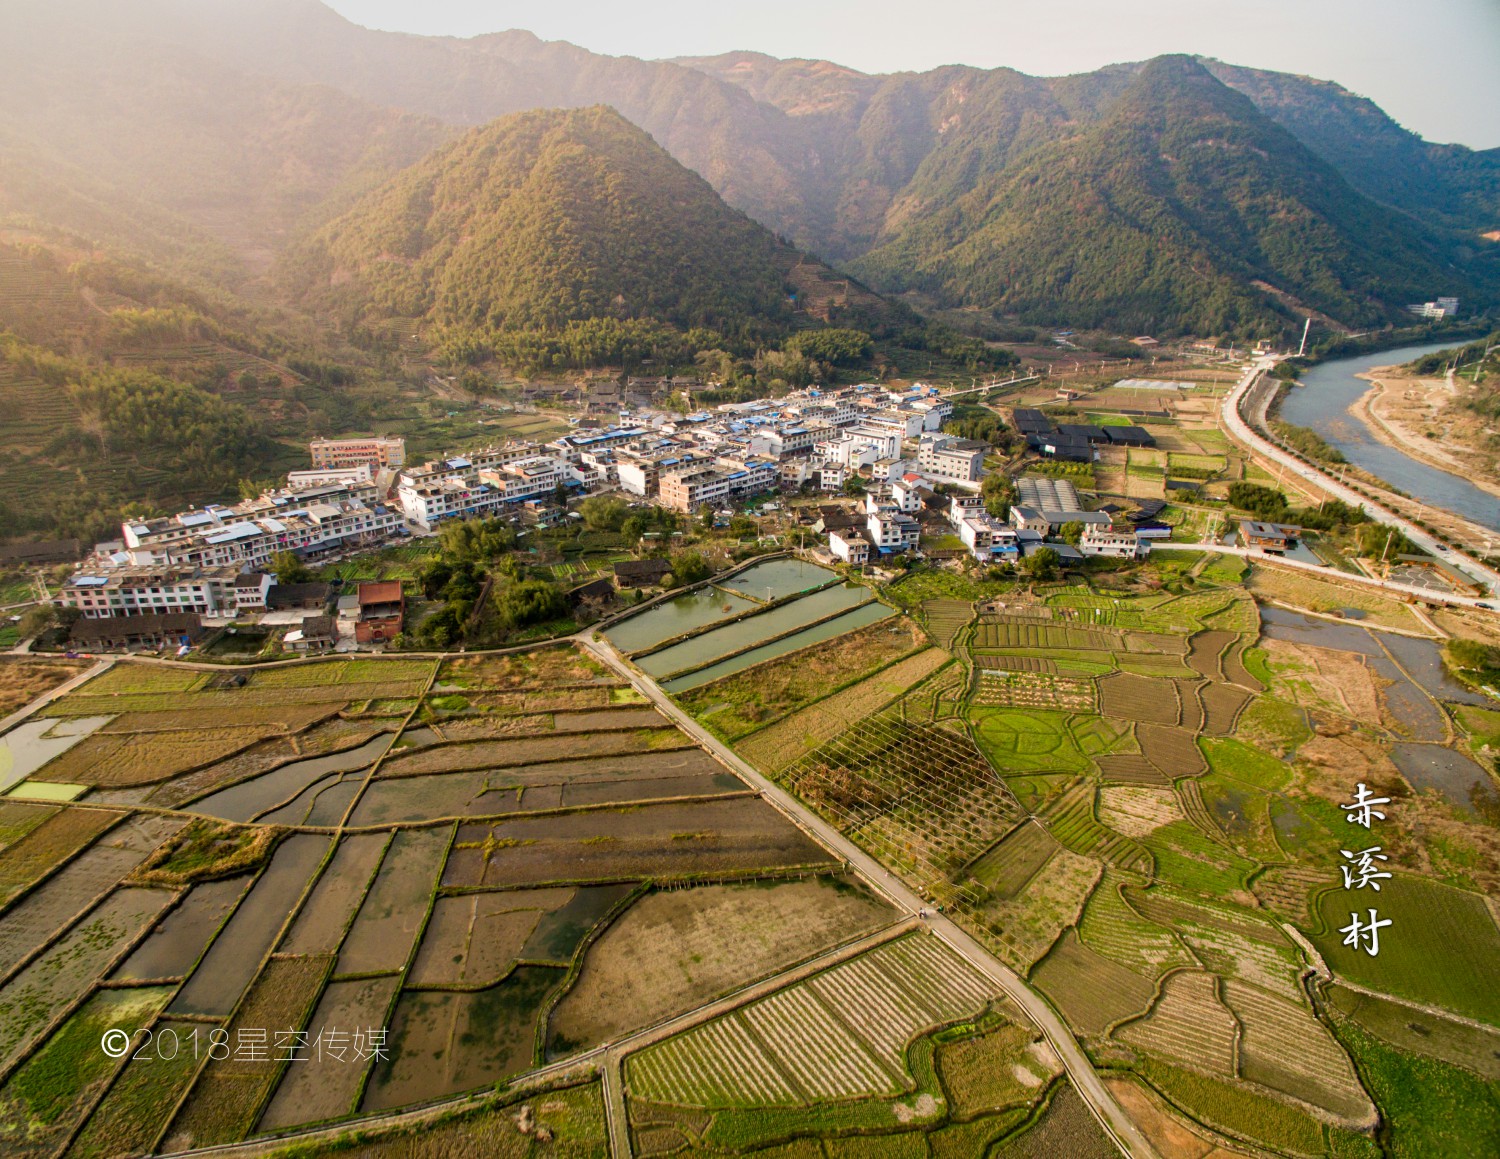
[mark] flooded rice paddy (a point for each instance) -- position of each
(709, 646)
(268, 792)
(1411, 680)
(32, 743)
(180, 939)
(1451, 773)
(466, 892)
(235, 957)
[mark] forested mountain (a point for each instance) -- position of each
(543, 218)
(1446, 183)
(863, 171)
(1181, 209)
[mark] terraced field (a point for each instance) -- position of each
(438, 878)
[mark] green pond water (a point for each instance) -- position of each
(684, 614)
(778, 578)
(870, 613)
(709, 646)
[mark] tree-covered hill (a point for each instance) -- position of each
(261, 119)
(544, 218)
(1180, 209)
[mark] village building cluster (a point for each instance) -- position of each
(216, 561)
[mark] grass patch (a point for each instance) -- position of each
(1236, 1110)
(1481, 724)
(1319, 595)
(22, 681)
(1187, 858)
(922, 584)
(1225, 569)
(1021, 741)
(794, 736)
(1273, 726)
(1429, 1108)
(1236, 759)
(206, 851)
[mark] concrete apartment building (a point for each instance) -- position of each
(727, 480)
(379, 451)
(946, 457)
(360, 475)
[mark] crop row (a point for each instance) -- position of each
(1113, 929)
(1140, 698)
(841, 1033)
(918, 795)
(821, 1054)
(1188, 1024)
(1071, 821)
(1045, 637)
(1030, 691)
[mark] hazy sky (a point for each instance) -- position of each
(1434, 65)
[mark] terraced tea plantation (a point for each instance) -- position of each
(1131, 797)
(319, 892)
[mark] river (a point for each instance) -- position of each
(1322, 402)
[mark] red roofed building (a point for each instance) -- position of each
(382, 608)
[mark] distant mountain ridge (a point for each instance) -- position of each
(1164, 214)
(864, 171)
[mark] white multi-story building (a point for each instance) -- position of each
(891, 531)
(850, 545)
(946, 457)
(723, 482)
(906, 494)
(135, 591)
(987, 538)
(1437, 308)
(251, 534)
(357, 476)
(859, 447)
(640, 474)
(1106, 541)
(432, 500)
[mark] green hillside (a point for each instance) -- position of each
(1446, 183)
(1181, 209)
(544, 218)
(262, 120)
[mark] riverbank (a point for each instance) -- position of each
(1325, 403)
(1393, 419)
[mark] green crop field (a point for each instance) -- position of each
(1431, 1108)
(1019, 741)
(1236, 759)
(1441, 947)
